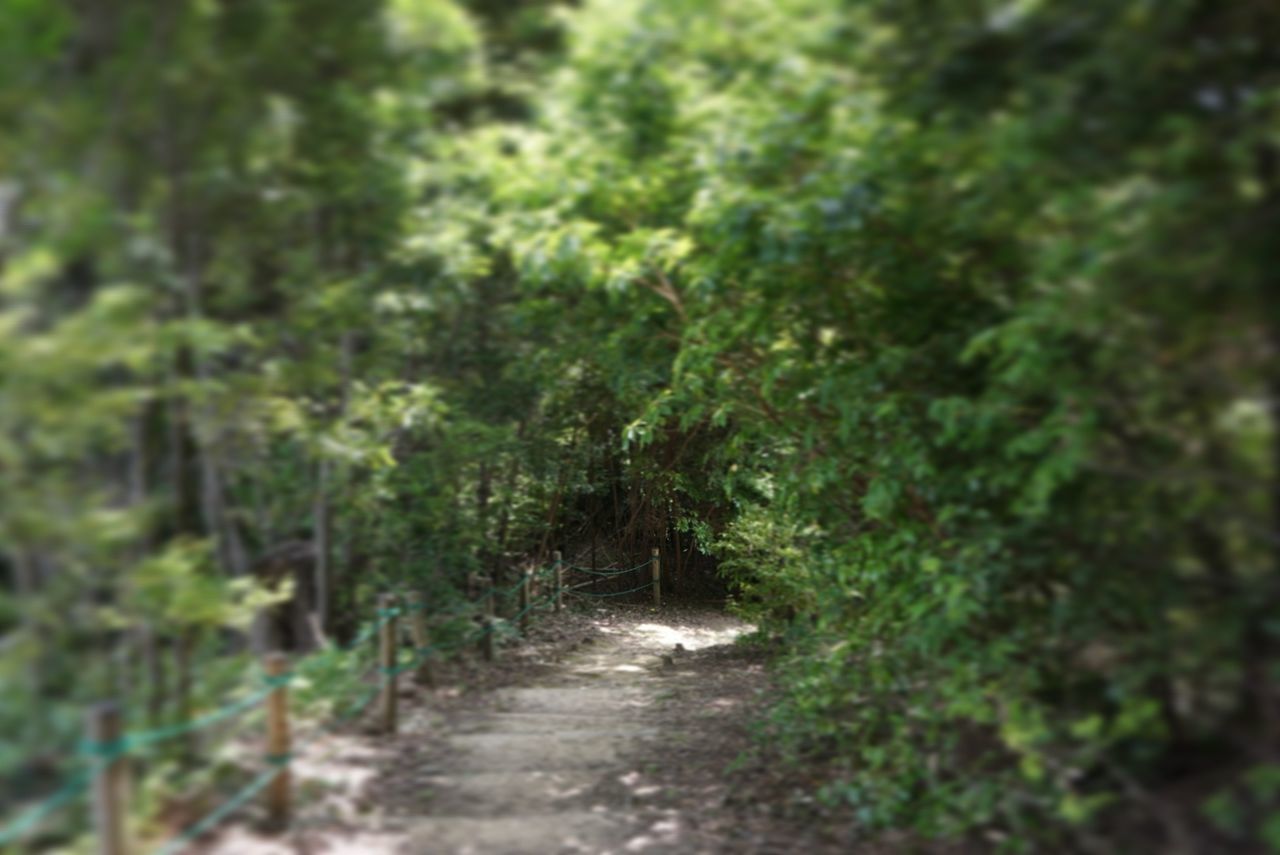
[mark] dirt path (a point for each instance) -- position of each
(537, 771)
(568, 746)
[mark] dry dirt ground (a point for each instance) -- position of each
(607, 730)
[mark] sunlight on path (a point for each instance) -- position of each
(535, 769)
(692, 638)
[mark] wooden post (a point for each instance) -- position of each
(525, 600)
(488, 644)
(387, 659)
(276, 666)
(425, 675)
(657, 578)
(473, 591)
(559, 579)
(111, 783)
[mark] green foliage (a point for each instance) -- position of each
(946, 328)
(974, 300)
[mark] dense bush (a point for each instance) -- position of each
(979, 297)
(949, 328)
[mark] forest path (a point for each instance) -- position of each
(564, 746)
(538, 770)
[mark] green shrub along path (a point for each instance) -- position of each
(936, 340)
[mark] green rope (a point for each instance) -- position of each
(614, 593)
(460, 642)
(607, 571)
(277, 681)
(397, 670)
(384, 615)
(510, 590)
(141, 739)
(541, 573)
(355, 709)
(608, 574)
(466, 607)
(489, 627)
(35, 814)
(365, 634)
(230, 806)
(530, 607)
(105, 752)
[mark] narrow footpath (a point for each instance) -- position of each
(606, 731)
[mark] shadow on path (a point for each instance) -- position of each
(559, 748)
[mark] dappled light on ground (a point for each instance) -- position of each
(691, 637)
(564, 763)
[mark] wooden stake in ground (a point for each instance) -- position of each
(387, 659)
(559, 578)
(276, 666)
(657, 578)
(111, 783)
(525, 581)
(488, 644)
(425, 675)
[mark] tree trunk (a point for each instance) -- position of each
(322, 531)
(182, 468)
(157, 694)
(183, 649)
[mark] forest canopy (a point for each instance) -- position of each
(938, 337)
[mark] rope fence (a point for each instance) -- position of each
(608, 572)
(105, 753)
(606, 594)
(278, 765)
(33, 816)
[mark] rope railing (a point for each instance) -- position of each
(278, 765)
(109, 746)
(604, 594)
(34, 815)
(145, 738)
(608, 571)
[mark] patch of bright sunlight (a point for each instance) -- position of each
(664, 832)
(238, 841)
(693, 638)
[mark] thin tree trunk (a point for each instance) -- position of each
(26, 578)
(329, 579)
(183, 649)
(615, 477)
(261, 514)
(509, 487)
(186, 505)
(157, 694)
(1259, 699)
(323, 534)
(677, 564)
(233, 557)
(553, 513)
